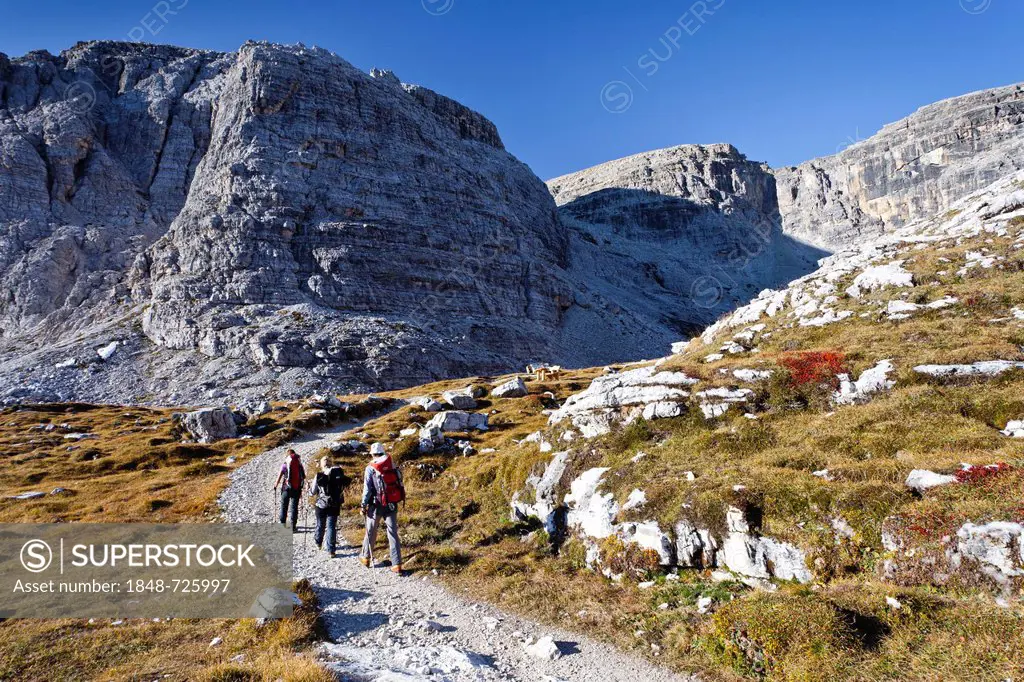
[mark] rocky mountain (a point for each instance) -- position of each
(177, 224)
(682, 234)
(912, 169)
(272, 217)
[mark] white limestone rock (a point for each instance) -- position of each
(107, 351)
(636, 499)
(429, 404)
(649, 536)
(544, 649)
(997, 547)
(618, 398)
(663, 410)
(695, 548)
(922, 479)
(458, 421)
(515, 388)
(1014, 428)
(985, 368)
(880, 277)
(590, 511)
(752, 376)
(461, 399)
(210, 424)
(543, 490)
(871, 381)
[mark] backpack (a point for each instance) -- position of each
(329, 493)
(390, 490)
(295, 473)
(335, 482)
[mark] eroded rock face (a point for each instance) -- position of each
(914, 168)
(696, 231)
(271, 216)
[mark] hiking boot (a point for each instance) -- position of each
(396, 569)
(364, 561)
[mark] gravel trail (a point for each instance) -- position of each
(388, 628)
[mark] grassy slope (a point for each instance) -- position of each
(136, 469)
(840, 627)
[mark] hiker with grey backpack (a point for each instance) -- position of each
(326, 498)
(382, 491)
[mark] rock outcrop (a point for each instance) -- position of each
(913, 168)
(621, 397)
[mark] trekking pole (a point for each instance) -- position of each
(369, 544)
(305, 516)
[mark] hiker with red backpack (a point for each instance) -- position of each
(382, 491)
(291, 480)
(327, 497)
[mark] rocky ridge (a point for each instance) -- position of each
(912, 169)
(682, 234)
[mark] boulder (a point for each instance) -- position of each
(210, 424)
(516, 388)
(255, 410)
(922, 479)
(274, 602)
(429, 404)
(431, 438)
(544, 649)
(458, 421)
(107, 351)
(461, 400)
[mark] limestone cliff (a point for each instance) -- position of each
(911, 169)
(678, 235)
(271, 218)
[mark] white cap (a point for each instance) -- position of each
(377, 449)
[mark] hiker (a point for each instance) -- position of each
(327, 499)
(291, 479)
(382, 491)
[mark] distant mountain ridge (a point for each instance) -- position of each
(911, 169)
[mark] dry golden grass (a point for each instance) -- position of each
(136, 469)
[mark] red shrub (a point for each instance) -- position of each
(814, 367)
(977, 474)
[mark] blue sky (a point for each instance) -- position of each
(784, 81)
